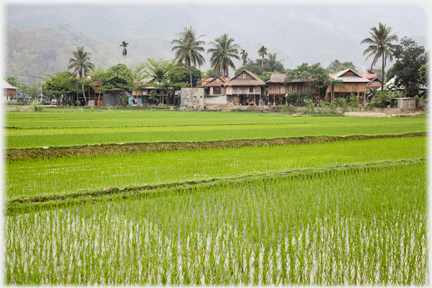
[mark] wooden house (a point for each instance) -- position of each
(245, 88)
(354, 84)
(375, 83)
(143, 94)
(277, 90)
(9, 91)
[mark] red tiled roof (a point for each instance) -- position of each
(212, 82)
(368, 76)
(206, 80)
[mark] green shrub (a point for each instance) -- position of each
(354, 102)
(333, 108)
(37, 106)
(310, 105)
(288, 109)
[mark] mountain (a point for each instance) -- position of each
(47, 50)
(298, 33)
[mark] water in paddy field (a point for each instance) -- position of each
(120, 244)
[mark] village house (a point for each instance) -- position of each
(144, 93)
(277, 90)
(374, 82)
(215, 91)
(422, 89)
(245, 88)
(205, 80)
(354, 84)
(9, 91)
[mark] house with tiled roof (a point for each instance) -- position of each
(215, 87)
(215, 91)
(353, 83)
(277, 90)
(245, 88)
(205, 80)
(374, 81)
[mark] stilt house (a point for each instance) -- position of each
(245, 88)
(277, 90)
(353, 82)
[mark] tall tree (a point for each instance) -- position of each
(80, 62)
(244, 56)
(410, 57)
(423, 72)
(273, 57)
(380, 45)
(81, 65)
(337, 66)
(165, 72)
(124, 52)
(262, 52)
(60, 84)
(211, 73)
(187, 49)
(222, 53)
(118, 79)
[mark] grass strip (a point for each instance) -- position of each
(68, 200)
(99, 149)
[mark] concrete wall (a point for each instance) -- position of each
(218, 100)
(192, 98)
(406, 103)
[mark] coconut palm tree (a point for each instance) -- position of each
(124, 52)
(187, 49)
(80, 62)
(81, 65)
(244, 56)
(272, 57)
(380, 45)
(222, 52)
(262, 52)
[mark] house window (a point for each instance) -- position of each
(251, 89)
(216, 90)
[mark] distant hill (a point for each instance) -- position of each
(47, 50)
(40, 37)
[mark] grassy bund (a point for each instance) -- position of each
(223, 198)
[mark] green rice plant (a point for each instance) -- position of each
(56, 176)
(340, 126)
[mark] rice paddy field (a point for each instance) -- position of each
(327, 211)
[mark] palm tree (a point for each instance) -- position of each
(124, 52)
(187, 48)
(244, 56)
(262, 52)
(81, 65)
(272, 57)
(222, 52)
(380, 45)
(80, 62)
